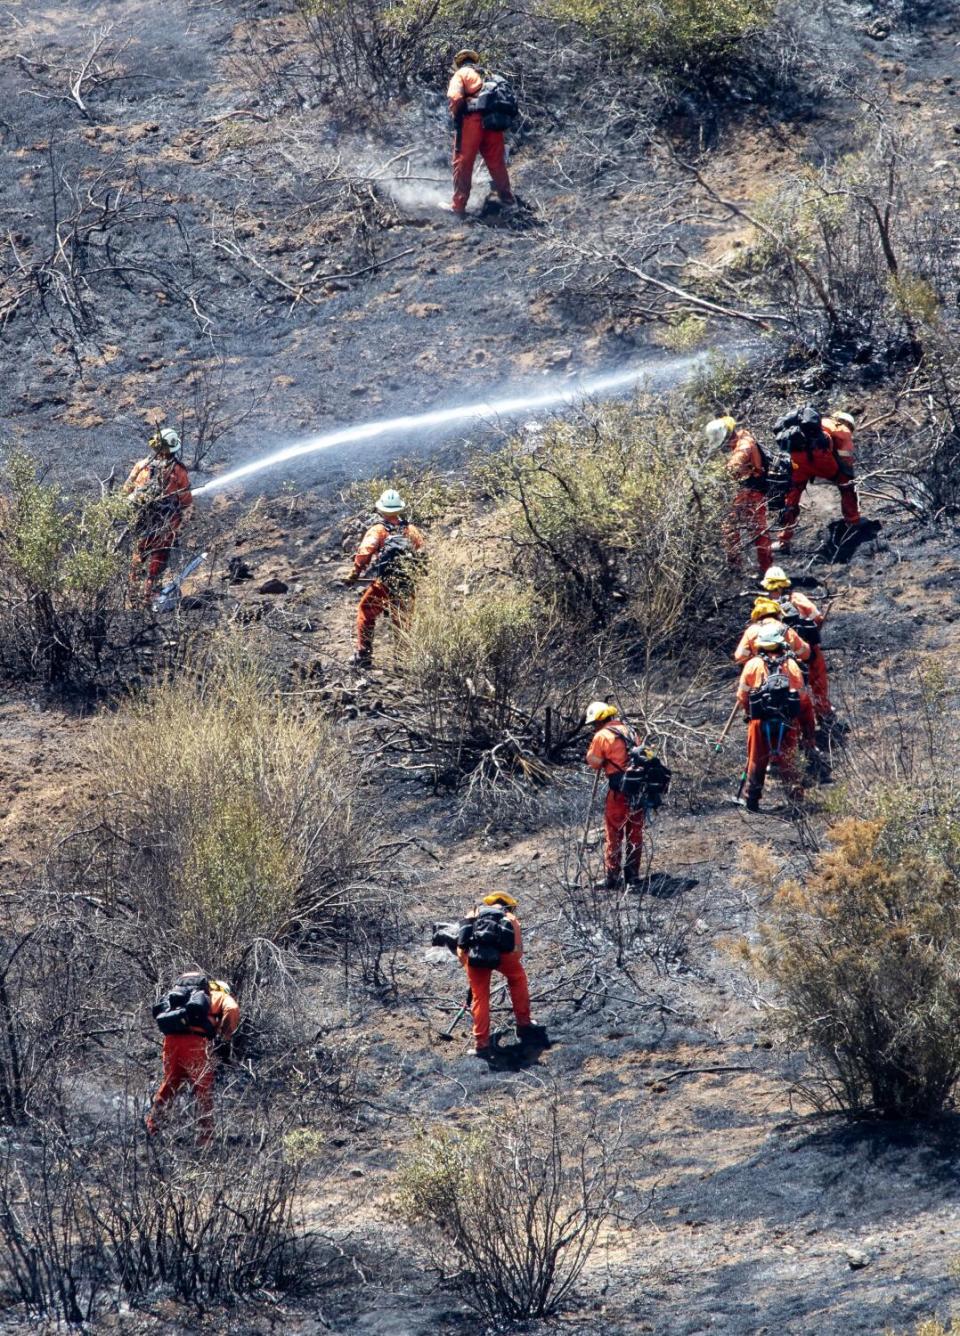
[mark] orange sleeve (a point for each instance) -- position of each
(596, 752)
(518, 948)
(744, 651)
(416, 537)
(842, 438)
(179, 486)
(806, 608)
(373, 541)
(134, 480)
(797, 644)
(225, 1012)
(753, 675)
(744, 461)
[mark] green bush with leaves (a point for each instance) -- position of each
(865, 953)
(233, 822)
(518, 1201)
(62, 585)
(614, 519)
(678, 36)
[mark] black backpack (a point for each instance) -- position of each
(487, 937)
(498, 103)
(777, 701)
(646, 779)
(777, 470)
(805, 627)
(186, 1008)
(398, 564)
(801, 430)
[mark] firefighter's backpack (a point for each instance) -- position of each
(498, 103)
(805, 627)
(398, 564)
(646, 779)
(487, 937)
(186, 1008)
(776, 701)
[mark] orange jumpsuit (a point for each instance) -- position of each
(511, 967)
(748, 512)
(833, 463)
(748, 641)
(623, 824)
(817, 665)
(187, 1060)
(769, 742)
(471, 138)
(378, 599)
(163, 513)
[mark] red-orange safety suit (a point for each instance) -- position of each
(816, 665)
(377, 598)
(771, 743)
(623, 824)
(747, 647)
(187, 1060)
(511, 967)
(748, 512)
(832, 461)
(471, 138)
(165, 485)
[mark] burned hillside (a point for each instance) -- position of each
(279, 749)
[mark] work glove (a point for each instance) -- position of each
(352, 577)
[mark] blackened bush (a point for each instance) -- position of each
(866, 955)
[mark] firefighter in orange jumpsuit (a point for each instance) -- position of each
(391, 589)
(764, 617)
(188, 1060)
(829, 458)
(748, 512)
(471, 138)
(510, 966)
(159, 486)
(774, 741)
(622, 823)
(777, 583)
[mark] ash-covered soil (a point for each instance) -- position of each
(741, 1211)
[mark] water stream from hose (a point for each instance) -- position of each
(568, 394)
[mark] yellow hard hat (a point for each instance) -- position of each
(764, 607)
(466, 57)
(221, 986)
(598, 711)
(847, 419)
(775, 578)
(500, 898)
(719, 431)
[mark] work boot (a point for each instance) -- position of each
(752, 804)
(534, 1036)
(485, 1054)
(362, 658)
(612, 880)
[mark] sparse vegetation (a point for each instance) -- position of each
(518, 1204)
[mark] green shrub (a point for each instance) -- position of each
(614, 520)
(495, 692)
(518, 1201)
(232, 822)
(62, 586)
(674, 35)
(865, 953)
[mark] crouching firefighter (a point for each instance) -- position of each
(779, 712)
(820, 448)
(748, 466)
(392, 551)
(489, 940)
(196, 1016)
(636, 780)
(159, 489)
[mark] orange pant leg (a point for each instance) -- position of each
(623, 826)
(493, 149)
(801, 472)
(479, 981)
(511, 967)
(783, 759)
(748, 514)
(466, 146)
(186, 1059)
(758, 758)
(817, 670)
(373, 604)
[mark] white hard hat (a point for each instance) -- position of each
(598, 711)
(775, 577)
(391, 502)
(719, 431)
(166, 439)
(847, 419)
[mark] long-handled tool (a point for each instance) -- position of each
(593, 799)
(448, 1033)
(727, 727)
